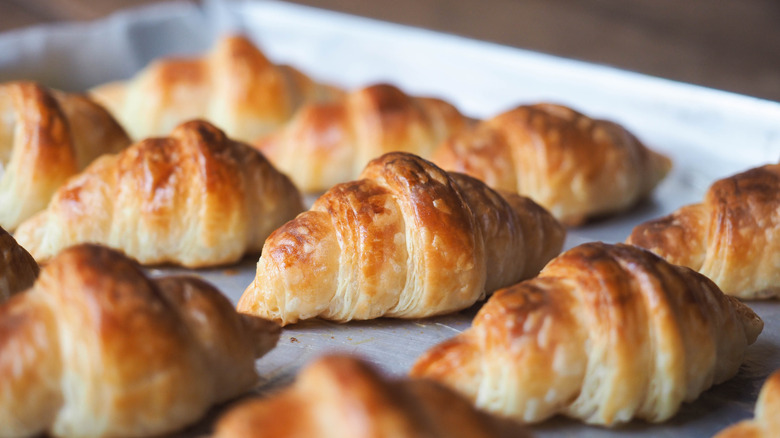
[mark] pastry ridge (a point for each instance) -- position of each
(95, 348)
(195, 198)
(234, 86)
(340, 396)
(730, 237)
(47, 136)
(604, 334)
(329, 143)
(407, 240)
(575, 166)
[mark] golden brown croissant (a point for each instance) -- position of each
(733, 237)
(330, 143)
(407, 240)
(195, 198)
(97, 349)
(575, 166)
(339, 396)
(767, 421)
(47, 136)
(604, 334)
(234, 86)
(18, 270)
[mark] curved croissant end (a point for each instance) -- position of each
(344, 397)
(195, 198)
(329, 143)
(95, 348)
(733, 237)
(234, 86)
(605, 333)
(575, 166)
(46, 136)
(767, 420)
(407, 240)
(18, 269)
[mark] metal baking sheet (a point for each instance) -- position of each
(709, 134)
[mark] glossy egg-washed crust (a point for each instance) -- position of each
(18, 269)
(330, 143)
(95, 348)
(766, 423)
(406, 240)
(733, 237)
(342, 397)
(47, 136)
(604, 334)
(234, 86)
(196, 198)
(575, 166)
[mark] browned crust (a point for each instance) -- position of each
(575, 166)
(346, 397)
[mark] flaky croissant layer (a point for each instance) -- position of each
(233, 86)
(407, 240)
(195, 198)
(343, 397)
(97, 349)
(330, 143)
(47, 136)
(573, 165)
(605, 333)
(732, 237)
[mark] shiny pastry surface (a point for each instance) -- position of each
(604, 334)
(330, 143)
(340, 396)
(406, 240)
(195, 198)
(732, 237)
(96, 348)
(575, 166)
(234, 86)
(47, 136)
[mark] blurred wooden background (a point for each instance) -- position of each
(730, 45)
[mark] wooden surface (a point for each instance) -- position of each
(730, 45)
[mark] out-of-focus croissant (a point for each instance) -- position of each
(330, 143)
(339, 396)
(733, 237)
(407, 240)
(47, 136)
(767, 421)
(234, 86)
(195, 198)
(97, 349)
(574, 166)
(18, 270)
(603, 334)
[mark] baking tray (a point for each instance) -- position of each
(708, 133)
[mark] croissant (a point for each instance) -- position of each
(604, 334)
(234, 86)
(97, 349)
(407, 240)
(195, 198)
(330, 143)
(767, 421)
(46, 136)
(575, 166)
(733, 237)
(18, 270)
(339, 396)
